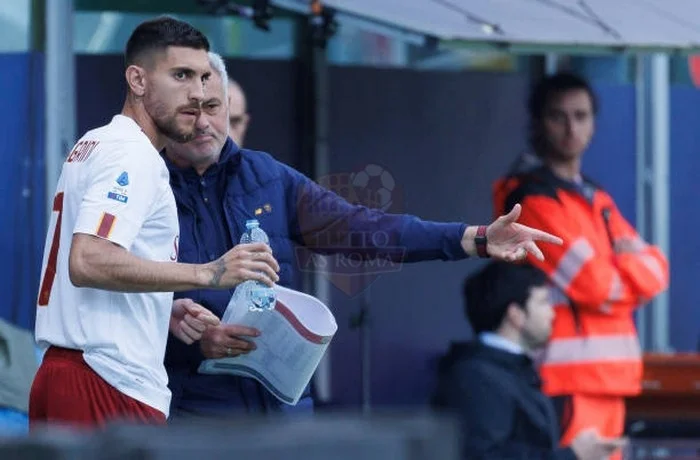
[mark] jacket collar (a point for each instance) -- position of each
(230, 158)
(529, 164)
(543, 174)
(475, 349)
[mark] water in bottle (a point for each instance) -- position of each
(255, 294)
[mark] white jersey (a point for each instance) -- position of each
(113, 185)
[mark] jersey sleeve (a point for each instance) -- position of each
(121, 190)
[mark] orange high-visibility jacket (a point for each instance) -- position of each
(594, 347)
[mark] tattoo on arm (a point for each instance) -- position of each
(219, 270)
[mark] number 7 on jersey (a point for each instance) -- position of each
(50, 271)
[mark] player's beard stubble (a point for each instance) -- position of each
(166, 121)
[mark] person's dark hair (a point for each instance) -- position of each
(489, 292)
(160, 33)
(544, 91)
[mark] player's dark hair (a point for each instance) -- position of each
(160, 33)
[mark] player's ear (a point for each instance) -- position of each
(136, 79)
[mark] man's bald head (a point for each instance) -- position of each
(238, 112)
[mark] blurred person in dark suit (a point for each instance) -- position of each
(491, 382)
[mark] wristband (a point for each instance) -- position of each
(480, 242)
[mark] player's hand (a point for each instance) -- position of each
(244, 262)
(189, 320)
(227, 340)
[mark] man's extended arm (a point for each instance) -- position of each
(326, 223)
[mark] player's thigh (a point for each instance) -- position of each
(69, 394)
(38, 397)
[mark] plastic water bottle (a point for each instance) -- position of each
(255, 294)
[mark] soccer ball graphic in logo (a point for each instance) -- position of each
(374, 186)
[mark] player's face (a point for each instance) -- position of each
(175, 90)
(211, 129)
(568, 124)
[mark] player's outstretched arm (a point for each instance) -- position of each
(98, 263)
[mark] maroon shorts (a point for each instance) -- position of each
(66, 391)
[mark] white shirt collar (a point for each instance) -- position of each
(497, 341)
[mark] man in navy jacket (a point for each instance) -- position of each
(218, 186)
(491, 383)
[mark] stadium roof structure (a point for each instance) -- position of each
(615, 25)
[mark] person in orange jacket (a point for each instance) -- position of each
(601, 274)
